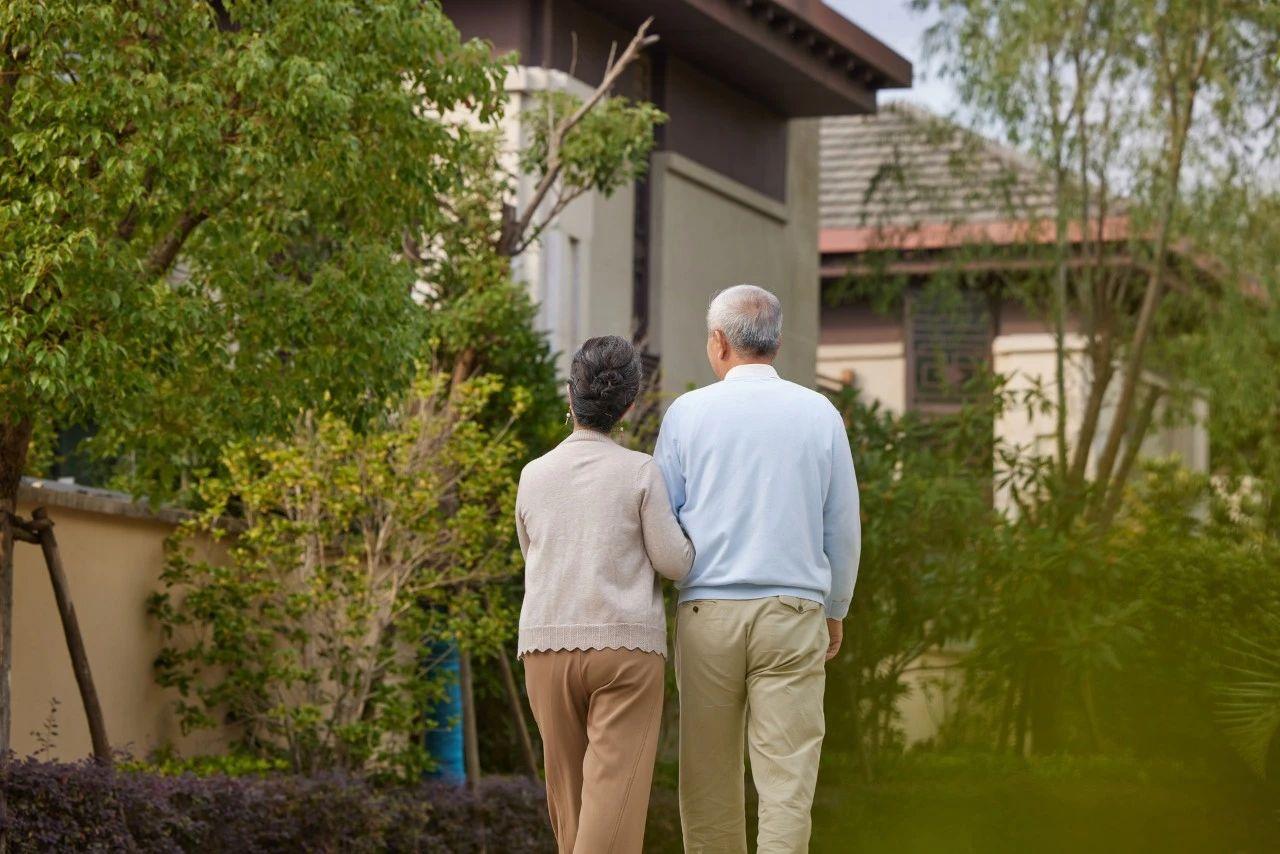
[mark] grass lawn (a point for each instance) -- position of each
(992, 804)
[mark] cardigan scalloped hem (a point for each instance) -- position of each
(643, 637)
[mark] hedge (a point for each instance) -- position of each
(86, 807)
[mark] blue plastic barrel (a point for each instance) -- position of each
(444, 740)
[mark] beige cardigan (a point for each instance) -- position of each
(594, 524)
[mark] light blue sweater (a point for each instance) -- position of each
(761, 477)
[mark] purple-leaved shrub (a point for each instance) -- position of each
(85, 807)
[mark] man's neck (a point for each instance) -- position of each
(738, 362)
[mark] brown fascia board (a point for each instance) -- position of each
(894, 69)
(922, 249)
(799, 57)
(953, 235)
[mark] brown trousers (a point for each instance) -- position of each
(598, 711)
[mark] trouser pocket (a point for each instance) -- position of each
(798, 605)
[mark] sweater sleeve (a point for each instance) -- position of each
(522, 533)
(667, 456)
(669, 550)
(841, 524)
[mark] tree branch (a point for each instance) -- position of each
(1181, 110)
(1114, 492)
(512, 234)
(162, 255)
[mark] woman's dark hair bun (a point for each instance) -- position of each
(604, 379)
(605, 382)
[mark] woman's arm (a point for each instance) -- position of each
(522, 533)
(669, 550)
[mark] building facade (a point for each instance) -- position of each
(934, 241)
(731, 193)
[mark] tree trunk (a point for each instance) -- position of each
(1141, 426)
(1024, 701)
(15, 439)
(1046, 704)
(470, 738)
(42, 525)
(1006, 717)
(517, 715)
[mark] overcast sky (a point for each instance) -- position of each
(894, 23)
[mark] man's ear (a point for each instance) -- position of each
(721, 344)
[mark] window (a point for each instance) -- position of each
(562, 298)
(948, 346)
(573, 324)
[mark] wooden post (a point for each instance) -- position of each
(517, 715)
(42, 526)
(470, 738)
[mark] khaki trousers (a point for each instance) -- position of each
(599, 712)
(753, 667)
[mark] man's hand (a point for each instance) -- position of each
(835, 630)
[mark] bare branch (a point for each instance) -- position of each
(1114, 492)
(513, 236)
(563, 200)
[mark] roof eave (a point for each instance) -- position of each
(799, 57)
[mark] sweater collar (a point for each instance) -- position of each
(588, 436)
(752, 372)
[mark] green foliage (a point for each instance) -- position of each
(1105, 598)
(1248, 700)
(168, 763)
(607, 149)
(915, 589)
(200, 217)
(346, 552)
(1120, 635)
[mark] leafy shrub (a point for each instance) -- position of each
(169, 763)
(86, 807)
(927, 529)
(357, 549)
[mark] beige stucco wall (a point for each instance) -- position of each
(1028, 362)
(710, 233)
(878, 370)
(113, 563)
(932, 682)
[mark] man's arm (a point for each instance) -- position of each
(667, 456)
(841, 525)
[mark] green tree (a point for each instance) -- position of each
(200, 216)
(1134, 108)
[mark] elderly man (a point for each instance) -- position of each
(761, 477)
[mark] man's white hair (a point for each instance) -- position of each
(750, 318)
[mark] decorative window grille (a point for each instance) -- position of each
(948, 346)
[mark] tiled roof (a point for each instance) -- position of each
(907, 167)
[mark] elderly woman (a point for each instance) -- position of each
(596, 529)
